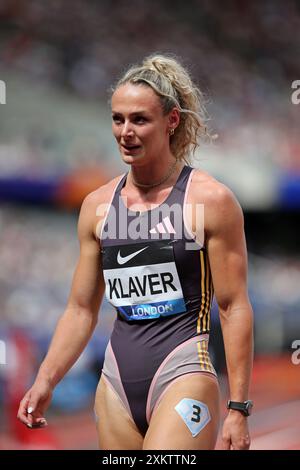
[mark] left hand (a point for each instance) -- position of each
(235, 433)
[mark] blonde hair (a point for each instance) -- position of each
(172, 83)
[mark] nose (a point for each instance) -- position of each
(127, 130)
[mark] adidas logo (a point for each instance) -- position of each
(163, 227)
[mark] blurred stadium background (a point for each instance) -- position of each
(58, 60)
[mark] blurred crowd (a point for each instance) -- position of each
(247, 48)
(244, 56)
(38, 254)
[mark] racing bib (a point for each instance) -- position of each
(142, 281)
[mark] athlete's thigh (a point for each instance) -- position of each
(116, 430)
(168, 429)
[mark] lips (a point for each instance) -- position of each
(130, 147)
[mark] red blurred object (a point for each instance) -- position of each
(78, 184)
(20, 370)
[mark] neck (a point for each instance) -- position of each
(143, 180)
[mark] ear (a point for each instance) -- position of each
(174, 118)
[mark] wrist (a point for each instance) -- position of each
(45, 377)
(242, 407)
(238, 414)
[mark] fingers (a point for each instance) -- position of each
(235, 433)
(242, 443)
(22, 412)
(35, 419)
(29, 414)
(38, 424)
(34, 422)
(226, 442)
(32, 404)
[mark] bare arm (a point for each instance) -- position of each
(79, 319)
(228, 260)
(77, 323)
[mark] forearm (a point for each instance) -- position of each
(72, 334)
(237, 328)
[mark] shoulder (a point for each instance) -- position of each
(101, 195)
(220, 203)
(95, 206)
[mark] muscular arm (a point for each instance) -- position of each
(76, 324)
(79, 319)
(228, 261)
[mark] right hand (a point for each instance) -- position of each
(235, 434)
(34, 404)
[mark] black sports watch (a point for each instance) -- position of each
(244, 407)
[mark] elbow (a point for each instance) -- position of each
(87, 314)
(230, 309)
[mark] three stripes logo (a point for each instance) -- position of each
(163, 227)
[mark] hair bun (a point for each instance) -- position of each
(157, 64)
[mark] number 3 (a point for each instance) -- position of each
(197, 414)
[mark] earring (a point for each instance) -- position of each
(171, 131)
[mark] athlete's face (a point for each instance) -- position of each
(138, 123)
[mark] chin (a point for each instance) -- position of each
(132, 159)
